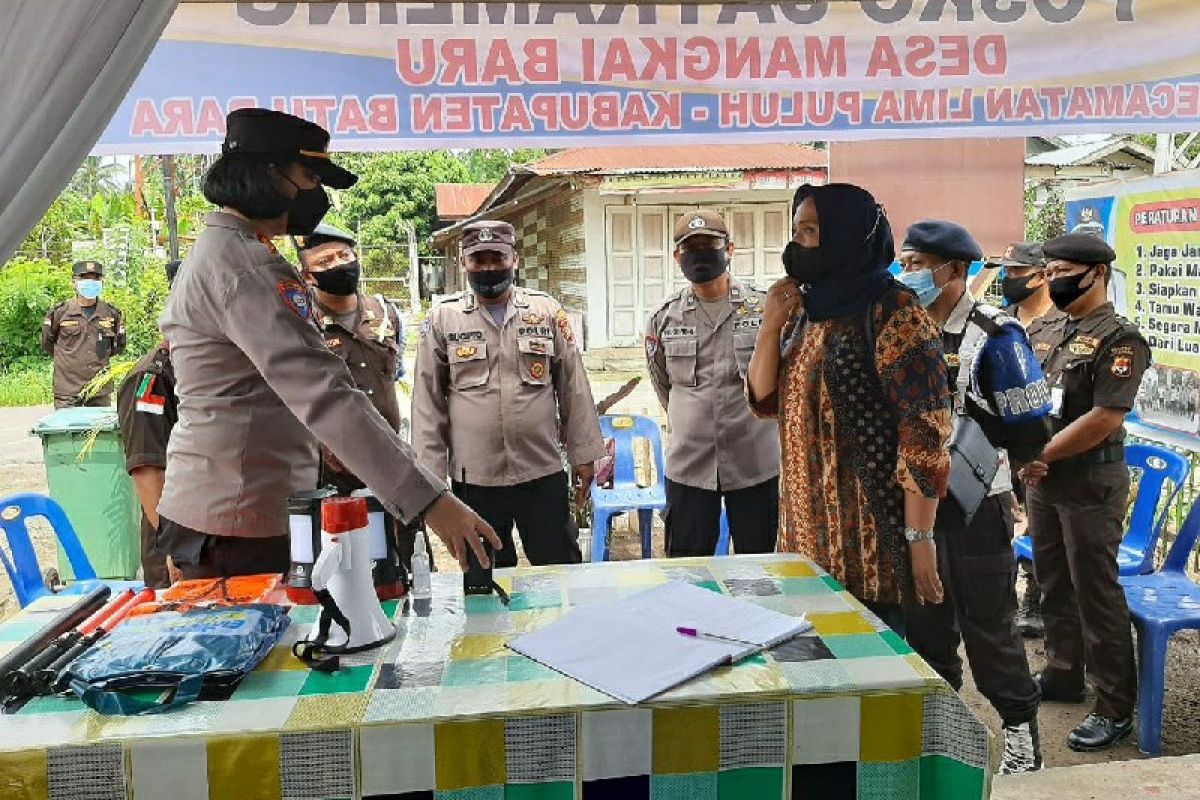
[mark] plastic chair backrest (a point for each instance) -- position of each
(1157, 466)
(623, 429)
(23, 569)
(1185, 543)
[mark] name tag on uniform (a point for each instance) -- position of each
(1057, 395)
(464, 336)
(544, 331)
(753, 323)
(679, 332)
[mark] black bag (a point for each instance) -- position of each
(974, 462)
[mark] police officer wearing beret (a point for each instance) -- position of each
(500, 386)
(1000, 401)
(1027, 297)
(1094, 360)
(148, 410)
(698, 347)
(258, 388)
(82, 335)
(367, 332)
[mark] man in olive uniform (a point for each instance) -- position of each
(499, 388)
(148, 410)
(81, 335)
(367, 332)
(1000, 393)
(1079, 487)
(1027, 297)
(698, 346)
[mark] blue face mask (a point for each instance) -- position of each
(921, 282)
(88, 288)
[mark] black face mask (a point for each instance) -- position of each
(702, 266)
(341, 280)
(1066, 290)
(308, 208)
(804, 264)
(491, 283)
(1016, 290)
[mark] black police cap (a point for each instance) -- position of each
(85, 267)
(1080, 248)
(940, 238)
(264, 132)
(325, 234)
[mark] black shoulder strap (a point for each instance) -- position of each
(989, 325)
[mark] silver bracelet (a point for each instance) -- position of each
(918, 535)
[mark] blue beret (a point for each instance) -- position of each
(941, 238)
(1081, 248)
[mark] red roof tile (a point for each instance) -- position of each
(681, 157)
(461, 200)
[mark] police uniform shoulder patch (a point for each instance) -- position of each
(426, 325)
(266, 241)
(148, 400)
(651, 346)
(1122, 366)
(295, 297)
(564, 325)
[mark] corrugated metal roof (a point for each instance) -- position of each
(680, 158)
(458, 200)
(1089, 153)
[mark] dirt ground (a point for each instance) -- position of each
(23, 471)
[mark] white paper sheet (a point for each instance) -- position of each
(630, 648)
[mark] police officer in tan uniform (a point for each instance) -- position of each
(81, 335)
(367, 332)
(148, 410)
(258, 388)
(1079, 487)
(499, 388)
(698, 346)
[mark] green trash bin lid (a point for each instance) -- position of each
(77, 420)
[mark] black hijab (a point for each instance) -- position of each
(856, 236)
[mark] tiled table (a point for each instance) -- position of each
(446, 711)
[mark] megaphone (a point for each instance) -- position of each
(351, 618)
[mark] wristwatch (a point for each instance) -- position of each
(918, 535)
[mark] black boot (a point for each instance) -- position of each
(1029, 610)
(1098, 732)
(1055, 691)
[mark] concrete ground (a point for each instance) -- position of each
(1162, 779)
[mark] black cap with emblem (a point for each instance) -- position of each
(494, 235)
(277, 135)
(1018, 254)
(1079, 248)
(87, 267)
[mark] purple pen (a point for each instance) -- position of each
(697, 634)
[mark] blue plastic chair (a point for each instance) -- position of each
(625, 494)
(23, 569)
(1162, 604)
(1136, 553)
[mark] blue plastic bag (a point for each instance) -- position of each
(191, 652)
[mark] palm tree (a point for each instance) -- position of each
(95, 177)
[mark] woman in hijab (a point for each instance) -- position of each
(852, 367)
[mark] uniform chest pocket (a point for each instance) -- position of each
(468, 365)
(1076, 385)
(69, 330)
(534, 361)
(681, 361)
(743, 349)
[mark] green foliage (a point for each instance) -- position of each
(1048, 221)
(26, 384)
(28, 289)
(489, 166)
(394, 189)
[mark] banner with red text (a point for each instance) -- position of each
(427, 75)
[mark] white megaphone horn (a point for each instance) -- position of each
(351, 618)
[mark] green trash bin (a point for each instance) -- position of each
(95, 490)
